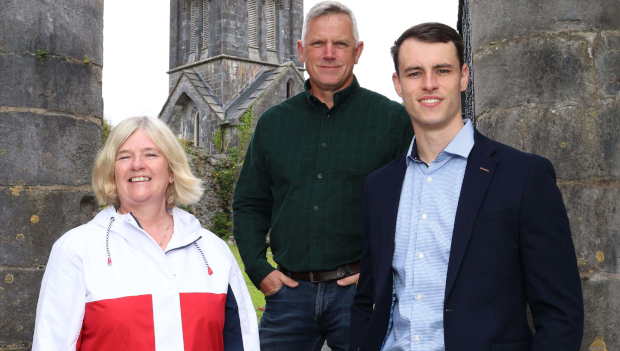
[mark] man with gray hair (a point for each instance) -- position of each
(303, 179)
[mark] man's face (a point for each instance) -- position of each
(329, 52)
(430, 82)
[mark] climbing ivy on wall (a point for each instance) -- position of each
(227, 171)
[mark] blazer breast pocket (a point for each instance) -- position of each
(523, 345)
(492, 216)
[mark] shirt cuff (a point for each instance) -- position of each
(258, 271)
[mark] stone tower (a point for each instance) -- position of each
(224, 55)
(547, 81)
(50, 131)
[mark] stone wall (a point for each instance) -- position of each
(547, 81)
(50, 130)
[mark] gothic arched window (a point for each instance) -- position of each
(253, 23)
(270, 19)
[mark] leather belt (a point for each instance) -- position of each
(324, 276)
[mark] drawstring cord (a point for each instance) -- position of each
(204, 258)
(107, 248)
(107, 241)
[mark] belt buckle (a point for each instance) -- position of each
(312, 277)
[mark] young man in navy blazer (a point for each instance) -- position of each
(462, 233)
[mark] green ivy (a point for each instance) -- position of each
(41, 53)
(227, 171)
(221, 225)
(218, 139)
(106, 127)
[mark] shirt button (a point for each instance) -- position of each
(421, 256)
(323, 145)
(320, 176)
(314, 241)
(424, 216)
(419, 297)
(316, 208)
(430, 179)
(327, 116)
(416, 338)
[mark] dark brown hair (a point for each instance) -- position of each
(431, 32)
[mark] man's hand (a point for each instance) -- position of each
(274, 281)
(350, 280)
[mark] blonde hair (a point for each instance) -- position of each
(185, 189)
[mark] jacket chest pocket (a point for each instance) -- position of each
(523, 345)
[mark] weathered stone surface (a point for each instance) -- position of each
(594, 215)
(50, 83)
(19, 293)
(532, 71)
(572, 136)
(59, 26)
(602, 308)
(608, 73)
(47, 150)
(512, 19)
(32, 220)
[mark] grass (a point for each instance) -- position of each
(258, 299)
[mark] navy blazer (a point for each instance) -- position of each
(511, 246)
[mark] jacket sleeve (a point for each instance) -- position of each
(252, 206)
(550, 265)
(241, 325)
(361, 309)
(62, 299)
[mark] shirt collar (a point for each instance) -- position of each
(460, 145)
(339, 97)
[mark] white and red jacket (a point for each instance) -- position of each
(145, 300)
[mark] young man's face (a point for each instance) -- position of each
(430, 82)
(329, 52)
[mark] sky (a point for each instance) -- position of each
(136, 40)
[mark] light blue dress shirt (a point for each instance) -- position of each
(424, 226)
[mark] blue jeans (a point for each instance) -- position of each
(302, 318)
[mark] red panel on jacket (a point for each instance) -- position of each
(123, 324)
(203, 317)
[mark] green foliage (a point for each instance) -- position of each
(64, 57)
(41, 53)
(106, 127)
(245, 129)
(187, 147)
(258, 299)
(218, 139)
(221, 225)
(86, 60)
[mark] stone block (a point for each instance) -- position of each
(570, 135)
(32, 220)
(47, 150)
(19, 293)
(532, 71)
(594, 215)
(602, 308)
(60, 26)
(50, 83)
(513, 19)
(608, 73)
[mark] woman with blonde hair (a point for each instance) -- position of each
(143, 274)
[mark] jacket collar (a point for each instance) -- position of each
(340, 97)
(186, 228)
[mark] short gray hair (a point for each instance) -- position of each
(329, 8)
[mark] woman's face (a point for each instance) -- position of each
(141, 172)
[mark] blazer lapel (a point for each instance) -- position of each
(389, 205)
(478, 174)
